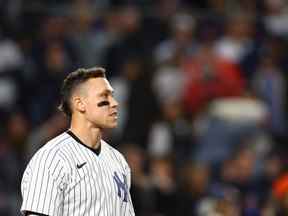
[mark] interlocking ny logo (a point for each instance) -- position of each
(121, 185)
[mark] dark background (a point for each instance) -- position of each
(202, 87)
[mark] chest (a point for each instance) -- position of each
(98, 179)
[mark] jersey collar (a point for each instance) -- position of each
(96, 151)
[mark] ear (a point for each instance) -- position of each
(78, 104)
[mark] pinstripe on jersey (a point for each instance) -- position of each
(67, 178)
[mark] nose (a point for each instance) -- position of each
(114, 102)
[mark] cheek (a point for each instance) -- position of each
(100, 112)
(94, 111)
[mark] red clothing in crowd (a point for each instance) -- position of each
(208, 79)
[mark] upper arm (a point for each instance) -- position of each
(42, 184)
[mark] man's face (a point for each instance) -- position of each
(100, 107)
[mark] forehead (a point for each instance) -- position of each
(98, 85)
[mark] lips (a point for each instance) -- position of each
(115, 113)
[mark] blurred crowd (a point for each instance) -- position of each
(202, 88)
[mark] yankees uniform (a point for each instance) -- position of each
(66, 177)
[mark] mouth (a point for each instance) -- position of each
(114, 114)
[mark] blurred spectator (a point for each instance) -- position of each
(44, 101)
(270, 85)
(163, 183)
(18, 130)
(281, 193)
(93, 34)
(11, 60)
(237, 41)
(130, 41)
(217, 206)
(181, 40)
(276, 17)
(10, 176)
(193, 187)
(228, 124)
(53, 56)
(169, 80)
(171, 134)
(140, 95)
(210, 77)
(172, 131)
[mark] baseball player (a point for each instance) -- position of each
(77, 173)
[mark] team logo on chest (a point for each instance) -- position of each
(121, 186)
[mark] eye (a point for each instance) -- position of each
(104, 95)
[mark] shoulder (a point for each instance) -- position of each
(115, 153)
(57, 142)
(49, 155)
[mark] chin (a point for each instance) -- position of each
(111, 126)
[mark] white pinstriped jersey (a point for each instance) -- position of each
(67, 178)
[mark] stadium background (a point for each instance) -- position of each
(202, 87)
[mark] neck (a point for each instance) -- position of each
(85, 131)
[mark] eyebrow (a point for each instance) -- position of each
(106, 91)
